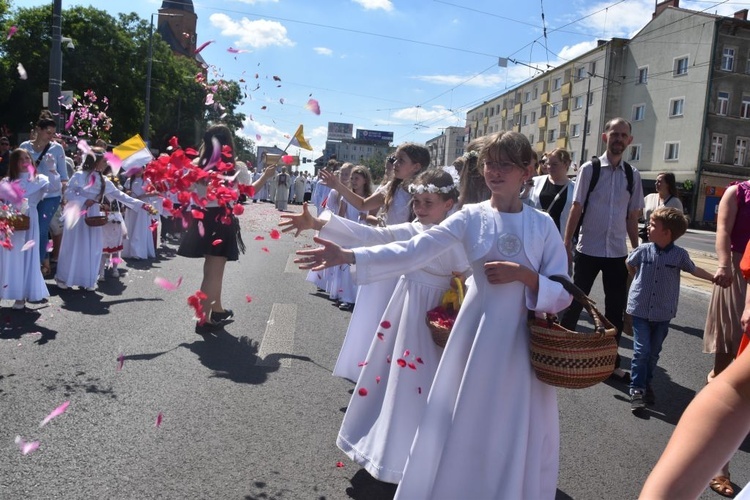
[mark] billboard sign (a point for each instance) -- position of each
(374, 135)
(340, 131)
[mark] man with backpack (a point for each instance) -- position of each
(607, 200)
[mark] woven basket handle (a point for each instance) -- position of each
(584, 299)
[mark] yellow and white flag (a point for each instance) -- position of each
(133, 153)
(299, 140)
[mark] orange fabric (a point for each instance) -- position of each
(745, 262)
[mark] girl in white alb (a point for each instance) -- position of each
(20, 266)
(490, 428)
(140, 241)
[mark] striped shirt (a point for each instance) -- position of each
(656, 286)
(604, 228)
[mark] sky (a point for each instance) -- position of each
(411, 67)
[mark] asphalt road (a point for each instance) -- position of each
(253, 413)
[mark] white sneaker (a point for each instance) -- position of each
(90, 288)
(60, 284)
(115, 273)
(19, 304)
(100, 278)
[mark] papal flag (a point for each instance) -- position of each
(133, 153)
(299, 140)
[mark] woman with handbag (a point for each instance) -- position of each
(490, 428)
(665, 196)
(82, 243)
(46, 156)
(553, 192)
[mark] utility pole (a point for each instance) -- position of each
(585, 122)
(55, 64)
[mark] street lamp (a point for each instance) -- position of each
(147, 119)
(55, 63)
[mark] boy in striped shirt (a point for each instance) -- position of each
(653, 296)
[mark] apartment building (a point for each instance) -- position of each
(446, 147)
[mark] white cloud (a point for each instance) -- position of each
(386, 5)
(477, 81)
(569, 52)
(256, 34)
(253, 2)
(270, 135)
(323, 51)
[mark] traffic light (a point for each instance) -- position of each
(304, 160)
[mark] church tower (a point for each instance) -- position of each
(178, 27)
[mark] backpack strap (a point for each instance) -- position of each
(596, 166)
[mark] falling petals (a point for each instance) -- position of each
(412, 366)
(209, 99)
(385, 324)
(50, 246)
(419, 390)
(381, 335)
(203, 46)
(265, 249)
(114, 161)
(11, 191)
(22, 72)
(287, 159)
(259, 238)
(55, 413)
(275, 234)
(159, 418)
(29, 244)
(377, 379)
(276, 78)
(26, 447)
(281, 101)
(84, 147)
(313, 106)
(419, 360)
(238, 209)
(362, 391)
(197, 214)
(201, 229)
(120, 361)
(257, 137)
(232, 50)
(339, 464)
(362, 363)
(70, 121)
(166, 284)
(401, 362)
(12, 31)
(217, 242)
(406, 353)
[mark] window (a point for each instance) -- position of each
(722, 103)
(642, 76)
(740, 151)
(531, 138)
(745, 109)
(635, 152)
(554, 110)
(639, 112)
(575, 130)
(492, 111)
(578, 102)
(526, 96)
(525, 119)
(551, 135)
(533, 116)
(593, 68)
(747, 64)
(681, 66)
(591, 99)
(588, 127)
(676, 106)
(557, 83)
(727, 59)
(581, 73)
(717, 148)
(672, 151)
(535, 93)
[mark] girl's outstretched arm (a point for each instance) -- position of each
(328, 255)
(300, 222)
(357, 201)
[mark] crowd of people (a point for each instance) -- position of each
(498, 225)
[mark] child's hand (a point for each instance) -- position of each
(330, 180)
(500, 272)
(329, 255)
(298, 222)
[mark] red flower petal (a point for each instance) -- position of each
(401, 362)
(217, 242)
(339, 464)
(412, 366)
(238, 209)
(265, 249)
(419, 390)
(381, 335)
(406, 353)
(385, 324)
(258, 238)
(197, 214)
(419, 360)
(388, 359)
(248, 298)
(362, 391)
(362, 363)
(275, 235)
(377, 379)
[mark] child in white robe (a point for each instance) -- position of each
(20, 266)
(140, 242)
(490, 428)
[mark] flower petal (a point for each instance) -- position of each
(55, 413)
(362, 391)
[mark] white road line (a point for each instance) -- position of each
(279, 336)
(291, 267)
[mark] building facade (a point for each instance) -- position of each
(446, 147)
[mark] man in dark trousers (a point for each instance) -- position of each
(608, 214)
(4, 156)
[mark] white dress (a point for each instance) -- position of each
(346, 286)
(490, 428)
(378, 428)
(20, 270)
(81, 247)
(324, 279)
(370, 305)
(140, 241)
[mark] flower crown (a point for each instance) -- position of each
(470, 155)
(430, 188)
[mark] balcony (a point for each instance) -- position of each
(542, 123)
(562, 142)
(486, 120)
(566, 89)
(564, 116)
(504, 113)
(539, 147)
(544, 97)
(517, 108)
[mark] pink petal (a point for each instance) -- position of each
(120, 361)
(26, 447)
(71, 119)
(159, 418)
(55, 413)
(259, 238)
(209, 99)
(313, 106)
(377, 379)
(385, 324)
(406, 353)
(166, 284)
(11, 31)
(92, 181)
(116, 260)
(114, 161)
(281, 100)
(22, 72)
(339, 464)
(381, 336)
(27, 245)
(201, 230)
(11, 191)
(203, 46)
(84, 147)
(217, 242)
(265, 249)
(288, 159)
(257, 137)
(362, 363)
(50, 245)
(248, 298)
(275, 235)
(362, 391)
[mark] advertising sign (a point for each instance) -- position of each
(339, 131)
(374, 135)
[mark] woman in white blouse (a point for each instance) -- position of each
(553, 192)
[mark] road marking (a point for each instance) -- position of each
(279, 336)
(291, 267)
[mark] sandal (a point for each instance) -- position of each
(721, 485)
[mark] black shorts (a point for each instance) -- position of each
(219, 223)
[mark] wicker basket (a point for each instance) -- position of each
(96, 220)
(19, 222)
(440, 319)
(573, 360)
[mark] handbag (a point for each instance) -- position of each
(441, 318)
(98, 220)
(570, 359)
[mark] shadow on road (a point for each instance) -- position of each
(16, 324)
(695, 332)
(366, 487)
(91, 303)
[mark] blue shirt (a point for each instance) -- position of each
(656, 287)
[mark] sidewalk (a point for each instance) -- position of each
(707, 261)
